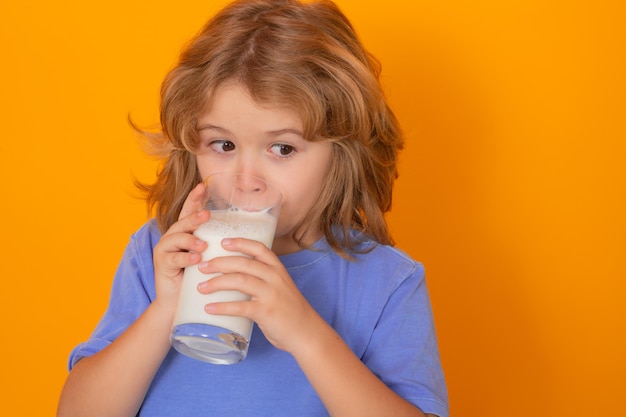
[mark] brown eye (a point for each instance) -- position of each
(222, 146)
(281, 149)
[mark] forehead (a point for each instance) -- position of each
(231, 104)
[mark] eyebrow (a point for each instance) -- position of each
(271, 132)
(212, 127)
(284, 131)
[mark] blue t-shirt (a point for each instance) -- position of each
(378, 303)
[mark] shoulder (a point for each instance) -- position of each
(390, 260)
(395, 257)
(138, 253)
(135, 272)
(146, 237)
(381, 268)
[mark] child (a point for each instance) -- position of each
(283, 90)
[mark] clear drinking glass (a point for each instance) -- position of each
(241, 205)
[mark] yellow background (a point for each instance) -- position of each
(511, 191)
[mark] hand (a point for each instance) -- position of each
(178, 248)
(276, 304)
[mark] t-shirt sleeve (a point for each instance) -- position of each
(403, 349)
(131, 293)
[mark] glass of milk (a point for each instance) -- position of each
(241, 206)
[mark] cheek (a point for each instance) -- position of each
(203, 169)
(298, 201)
(207, 166)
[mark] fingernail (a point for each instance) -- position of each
(226, 241)
(203, 265)
(203, 285)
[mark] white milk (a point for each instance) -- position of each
(258, 226)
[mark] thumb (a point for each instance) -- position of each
(195, 201)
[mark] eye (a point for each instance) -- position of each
(222, 146)
(283, 150)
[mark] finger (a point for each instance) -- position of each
(190, 223)
(180, 260)
(176, 242)
(195, 201)
(179, 250)
(232, 308)
(174, 262)
(253, 248)
(231, 265)
(244, 283)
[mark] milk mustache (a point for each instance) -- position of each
(259, 226)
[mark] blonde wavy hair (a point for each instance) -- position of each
(304, 55)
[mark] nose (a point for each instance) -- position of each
(248, 164)
(248, 183)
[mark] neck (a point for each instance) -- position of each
(285, 245)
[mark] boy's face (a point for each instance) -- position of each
(238, 135)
